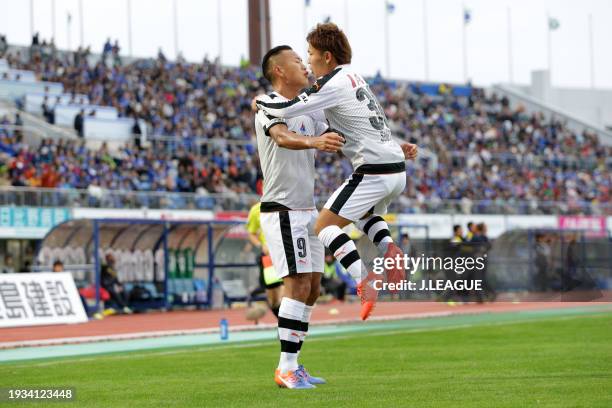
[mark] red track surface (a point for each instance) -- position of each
(148, 323)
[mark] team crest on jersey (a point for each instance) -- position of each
(302, 128)
(303, 97)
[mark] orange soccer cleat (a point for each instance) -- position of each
(368, 296)
(291, 380)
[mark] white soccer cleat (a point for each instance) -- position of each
(301, 371)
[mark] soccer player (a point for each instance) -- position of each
(378, 161)
(288, 211)
(269, 281)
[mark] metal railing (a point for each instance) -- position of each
(501, 207)
(198, 146)
(195, 145)
(101, 198)
(461, 159)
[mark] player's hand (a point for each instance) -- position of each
(254, 106)
(410, 151)
(328, 142)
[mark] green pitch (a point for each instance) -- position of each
(553, 362)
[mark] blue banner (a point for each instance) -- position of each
(30, 222)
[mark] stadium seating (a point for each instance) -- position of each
(187, 292)
(143, 295)
(478, 153)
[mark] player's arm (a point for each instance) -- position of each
(311, 100)
(277, 129)
(328, 142)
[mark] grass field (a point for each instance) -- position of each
(555, 362)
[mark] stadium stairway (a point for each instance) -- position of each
(36, 128)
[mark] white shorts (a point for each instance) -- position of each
(361, 194)
(294, 246)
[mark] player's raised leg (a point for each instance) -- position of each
(377, 230)
(329, 230)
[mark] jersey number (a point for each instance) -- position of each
(379, 121)
(301, 244)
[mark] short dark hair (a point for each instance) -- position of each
(328, 37)
(58, 262)
(265, 62)
(456, 227)
(470, 224)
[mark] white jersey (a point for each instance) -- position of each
(288, 175)
(351, 109)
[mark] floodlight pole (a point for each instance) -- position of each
(175, 28)
(387, 63)
(549, 31)
(81, 32)
(31, 18)
(68, 31)
(591, 51)
(219, 32)
(464, 37)
(346, 17)
(129, 21)
(263, 40)
(510, 60)
(425, 41)
(305, 27)
(53, 21)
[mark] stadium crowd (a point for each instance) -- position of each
(478, 152)
(70, 164)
